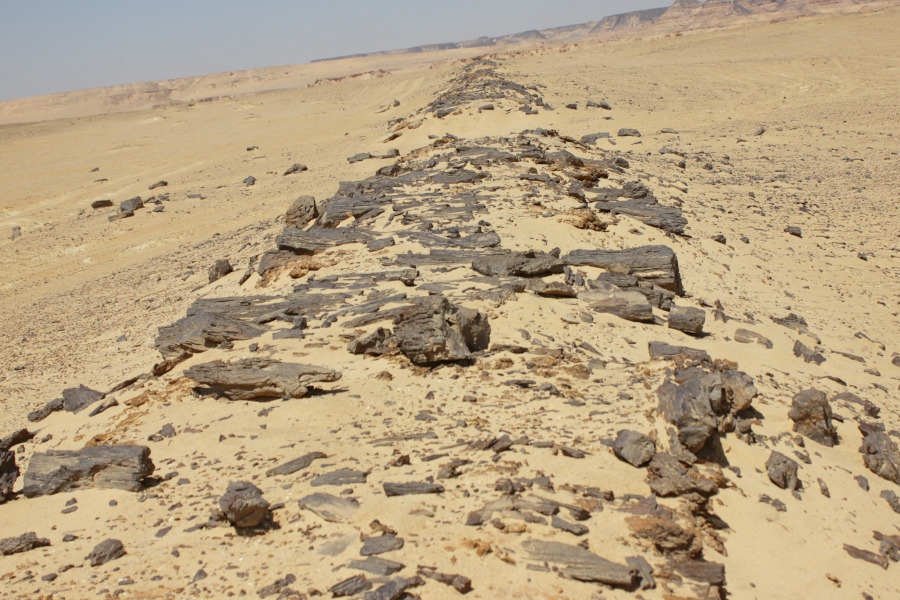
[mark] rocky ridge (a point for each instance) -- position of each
(425, 281)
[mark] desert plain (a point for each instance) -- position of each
(475, 437)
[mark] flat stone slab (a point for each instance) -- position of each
(577, 563)
(331, 508)
(380, 545)
(260, 378)
(298, 464)
(377, 566)
(410, 489)
(119, 467)
(340, 477)
(656, 264)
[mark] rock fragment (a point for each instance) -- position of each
(380, 545)
(812, 417)
(295, 465)
(413, 488)
(687, 319)
(119, 467)
(219, 269)
(260, 379)
(23, 543)
(243, 504)
(434, 330)
(634, 448)
(667, 477)
(301, 212)
(77, 399)
(461, 584)
(782, 471)
(105, 552)
(377, 566)
(880, 452)
(295, 168)
(577, 563)
(350, 587)
(331, 508)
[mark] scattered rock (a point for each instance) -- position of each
(795, 231)
(77, 399)
(9, 472)
(131, 205)
(220, 269)
(409, 489)
(634, 448)
(102, 203)
(243, 504)
(880, 452)
(295, 168)
(105, 552)
(624, 132)
(371, 342)
(46, 410)
(249, 180)
(331, 508)
(807, 354)
(158, 184)
(260, 379)
(783, 471)
(301, 212)
(667, 477)
(575, 562)
(380, 545)
(377, 566)
(295, 465)
(812, 417)
(434, 330)
(461, 584)
(687, 319)
(23, 543)
(119, 467)
(745, 336)
(350, 587)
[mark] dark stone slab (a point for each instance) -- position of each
(380, 545)
(350, 587)
(409, 489)
(202, 331)
(518, 264)
(668, 477)
(656, 264)
(318, 239)
(260, 379)
(377, 566)
(119, 467)
(340, 477)
(23, 543)
(575, 562)
(331, 508)
(77, 399)
(295, 465)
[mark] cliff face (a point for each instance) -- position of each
(628, 21)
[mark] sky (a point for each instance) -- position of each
(50, 46)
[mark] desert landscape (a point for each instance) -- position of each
(571, 317)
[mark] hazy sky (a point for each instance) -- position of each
(49, 46)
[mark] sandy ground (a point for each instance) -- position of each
(82, 297)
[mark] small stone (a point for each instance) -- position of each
(782, 471)
(243, 504)
(380, 545)
(105, 552)
(634, 448)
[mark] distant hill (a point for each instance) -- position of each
(680, 16)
